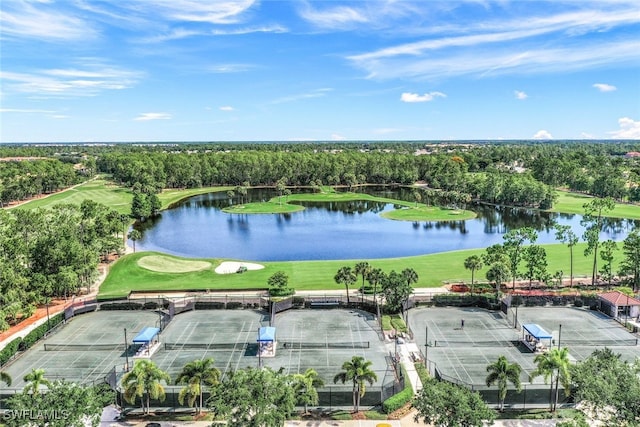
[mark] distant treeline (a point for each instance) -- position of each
(519, 173)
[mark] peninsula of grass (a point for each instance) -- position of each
(270, 207)
(405, 211)
(433, 270)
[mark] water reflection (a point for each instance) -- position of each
(197, 227)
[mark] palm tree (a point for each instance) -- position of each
(473, 263)
(374, 277)
(134, 235)
(195, 375)
(144, 381)
(5, 378)
(306, 387)
(346, 276)
(357, 370)
(362, 268)
(502, 372)
(554, 365)
(34, 380)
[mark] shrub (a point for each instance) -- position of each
(39, 332)
(9, 351)
(398, 400)
(281, 292)
(422, 372)
(209, 305)
(150, 305)
(386, 323)
(398, 323)
(232, 305)
(121, 306)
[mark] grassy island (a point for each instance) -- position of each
(405, 211)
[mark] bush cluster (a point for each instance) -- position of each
(121, 306)
(22, 344)
(398, 400)
(483, 301)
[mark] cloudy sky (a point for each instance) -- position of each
(243, 70)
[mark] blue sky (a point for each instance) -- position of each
(191, 70)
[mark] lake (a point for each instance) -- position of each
(197, 227)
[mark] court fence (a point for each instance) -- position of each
(531, 395)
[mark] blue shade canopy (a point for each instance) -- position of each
(267, 333)
(146, 335)
(536, 331)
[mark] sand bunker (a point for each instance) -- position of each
(228, 267)
(165, 264)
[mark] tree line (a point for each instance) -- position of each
(53, 253)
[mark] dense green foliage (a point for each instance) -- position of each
(253, 398)
(609, 387)
(448, 405)
(63, 404)
(52, 253)
(23, 179)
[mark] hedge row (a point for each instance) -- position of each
(483, 301)
(398, 400)
(22, 344)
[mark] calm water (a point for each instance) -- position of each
(197, 227)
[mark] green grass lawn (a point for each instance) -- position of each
(99, 190)
(433, 270)
(572, 203)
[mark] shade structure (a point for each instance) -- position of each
(536, 331)
(266, 333)
(146, 335)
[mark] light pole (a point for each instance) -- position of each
(126, 351)
(48, 321)
(426, 346)
(515, 321)
(559, 334)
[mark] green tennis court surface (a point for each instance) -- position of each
(91, 346)
(100, 329)
(462, 354)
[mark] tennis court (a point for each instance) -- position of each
(86, 349)
(582, 330)
(462, 354)
(318, 339)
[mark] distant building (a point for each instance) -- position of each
(632, 154)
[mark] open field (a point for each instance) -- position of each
(433, 270)
(99, 190)
(572, 203)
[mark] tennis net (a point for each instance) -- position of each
(83, 347)
(494, 343)
(601, 343)
(314, 345)
(205, 346)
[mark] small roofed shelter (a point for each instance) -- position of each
(534, 337)
(147, 337)
(619, 306)
(266, 341)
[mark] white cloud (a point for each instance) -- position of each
(152, 116)
(629, 129)
(334, 17)
(414, 97)
(317, 93)
(520, 94)
(542, 134)
(603, 87)
(21, 19)
(276, 29)
(229, 68)
(227, 108)
(25, 111)
(92, 78)
(585, 135)
(337, 137)
(213, 12)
